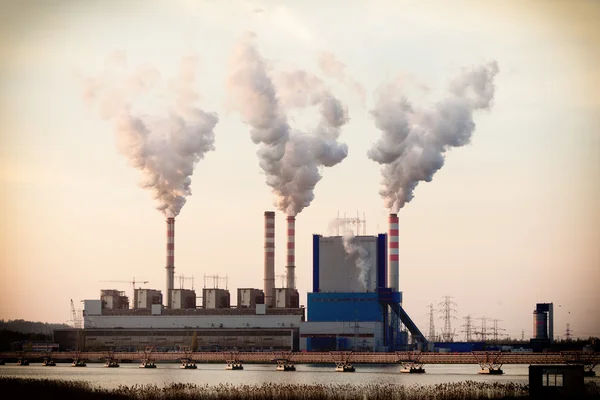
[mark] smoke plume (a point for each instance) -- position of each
(361, 255)
(414, 141)
(291, 159)
(334, 68)
(165, 148)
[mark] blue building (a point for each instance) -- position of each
(351, 307)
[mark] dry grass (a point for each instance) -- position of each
(469, 390)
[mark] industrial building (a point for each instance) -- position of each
(355, 304)
(543, 325)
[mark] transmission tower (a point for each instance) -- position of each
(447, 311)
(522, 335)
(468, 325)
(431, 324)
(483, 332)
(496, 331)
(568, 333)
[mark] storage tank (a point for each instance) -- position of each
(540, 325)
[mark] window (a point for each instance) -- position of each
(552, 379)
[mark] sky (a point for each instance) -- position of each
(510, 220)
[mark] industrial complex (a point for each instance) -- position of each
(351, 306)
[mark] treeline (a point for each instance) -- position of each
(20, 325)
(16, 334)
(14, 341)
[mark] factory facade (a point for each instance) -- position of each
(354, 304)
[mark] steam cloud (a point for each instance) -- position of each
(414, 141)
(363, 258)
(291, 159)
(334, 68)
(164, 148)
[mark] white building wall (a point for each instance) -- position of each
(144, 297)
(338, 271)
(193, 321)
(92, 307)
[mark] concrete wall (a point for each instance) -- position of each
(146, 297)
(286, 298)
(192, 321)
(183, 298)
(215, 298)
(175, 339)
(248, 297)
(338, 271)
(92, 307)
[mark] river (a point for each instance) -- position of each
(213, 374)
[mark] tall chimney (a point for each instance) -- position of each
(269, 257)
(170, 259)
(291, 245)
(393, 252)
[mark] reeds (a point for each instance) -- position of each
(468, 390)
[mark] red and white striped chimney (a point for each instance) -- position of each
(269, 284)
(393, 253)
(170, 259)
(291, 246)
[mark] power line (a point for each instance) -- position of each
(431, 324)
(483, 332)
(496, 331)
(568, 333)
(468, 325)
(447, 311)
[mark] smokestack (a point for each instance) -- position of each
(291, 245)
(393, 252)
(269, 257)
(170, 259)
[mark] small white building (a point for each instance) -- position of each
(145, 298)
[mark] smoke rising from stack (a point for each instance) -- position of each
(291, 159)
(414, 141)
(165, 148)
(363, 258)
(334, 68)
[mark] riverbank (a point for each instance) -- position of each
(66, 390)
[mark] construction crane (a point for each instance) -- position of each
(132, 282)
(74, 318)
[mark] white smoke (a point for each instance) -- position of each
(165, 148)
(334, 68)
(361, 255)
(414, 141)
(291, 159)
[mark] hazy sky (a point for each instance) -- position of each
(511, 219)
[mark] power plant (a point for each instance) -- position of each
(355, 304)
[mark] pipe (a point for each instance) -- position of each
(170, 259)
(269, 283)
(291, 245)
(393, 277)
